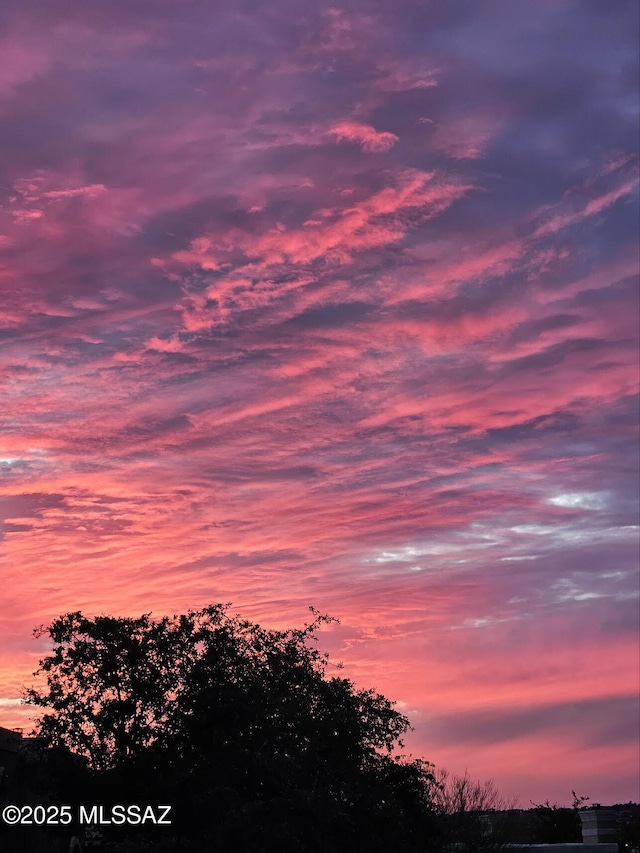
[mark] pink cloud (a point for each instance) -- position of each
(365, 135)
(335, 235)
(591, 208)
(466, 138)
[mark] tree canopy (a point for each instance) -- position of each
(238, 726)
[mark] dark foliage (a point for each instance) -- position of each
(237, 727)
(472, 812)
(629, 828)
(554, 824)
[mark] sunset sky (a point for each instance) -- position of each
(336, 305)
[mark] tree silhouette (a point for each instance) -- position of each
(474, 812)
(238, 727)
(554, 824)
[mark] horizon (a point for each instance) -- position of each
(336, 306)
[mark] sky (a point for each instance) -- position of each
(324, 305)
